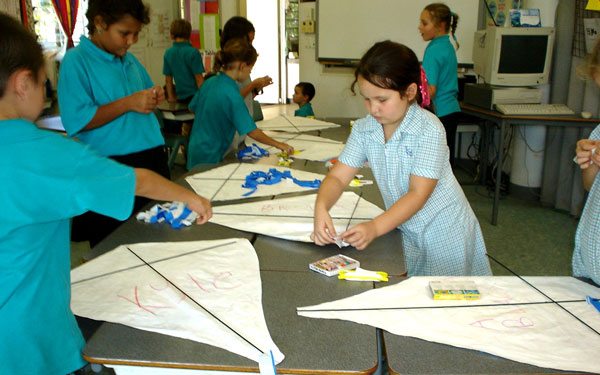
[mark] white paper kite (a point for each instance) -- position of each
(292, 218)
(194, 290)
(309, 147)
(512, 319)
(225, 183)
(294, 124)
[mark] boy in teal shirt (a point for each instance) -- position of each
(304, 92)
(47, 179)
(182, 65)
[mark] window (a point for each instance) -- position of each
(48, 28)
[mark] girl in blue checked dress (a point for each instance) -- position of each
(405, 146)
(586, 256)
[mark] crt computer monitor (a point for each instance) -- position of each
(513, 56)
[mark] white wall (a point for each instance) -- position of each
(228, 9)
(333, 96)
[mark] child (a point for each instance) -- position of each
(440, 65)
(586, 256)
(405, 147)
(107, 99)
(219, 108)
(182, 63)
(47, 179)
(303, 94)
(235, 28)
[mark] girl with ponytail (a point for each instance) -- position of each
(219, 108)
(438, 26)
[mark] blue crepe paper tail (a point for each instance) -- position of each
(594, 302)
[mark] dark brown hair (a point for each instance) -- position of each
(112, 11)
(181, 29)
(441, 14)
(19, 49)
(235, 28)
(307, 89)
(235, 50)
(389, 65)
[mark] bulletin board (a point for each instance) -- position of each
(347, 28)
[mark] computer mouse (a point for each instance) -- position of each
(586, 114)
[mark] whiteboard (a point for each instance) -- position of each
(347, 28)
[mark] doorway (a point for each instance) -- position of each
(274, 21)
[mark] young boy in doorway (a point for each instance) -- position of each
(303, 94)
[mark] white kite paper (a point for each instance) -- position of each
(293, 218)
(309, 147)
(225, 183)
(523, 325)
(294, 124)
(194, 290)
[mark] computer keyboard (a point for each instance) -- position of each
(534, 109)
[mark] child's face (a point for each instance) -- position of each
(298, 97)
(244, 71)
(118, 37)
(427, 28)
(35, 94)
(385, 105)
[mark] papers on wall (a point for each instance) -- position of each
(225, 183)
(307, 147)
(193, 290)
(293, 218)
(294, 124)
(523, 325)
(592, 30)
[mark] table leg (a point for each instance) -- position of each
(498, 173)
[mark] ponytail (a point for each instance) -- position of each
(235, 50)
(440, 13)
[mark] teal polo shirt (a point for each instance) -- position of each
(219, 111)
(183, 62)
(440, 65)
(91, 77)
(47, 179)
(304, 111)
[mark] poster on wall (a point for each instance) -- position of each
(499, 10)
(209, 32)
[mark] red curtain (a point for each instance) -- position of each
(66, 10)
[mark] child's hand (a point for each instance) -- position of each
(361, 235)
(324, 231)
(262, 82)
(587, 153)
(160, 94)
(145, 101)
(202, 207)
(286, 148)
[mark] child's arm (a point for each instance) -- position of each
(432, 90)
(151, 185)
(588, 158)
(256, 85)
(144, 101)
(260, 136)
(419, 191)
(331, 188)
(171, 95)
(199, 80)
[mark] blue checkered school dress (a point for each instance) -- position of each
(444, 237)
(586, 256)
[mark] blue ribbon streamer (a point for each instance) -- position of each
(594, 302)
(253, 152)
(272, 177)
